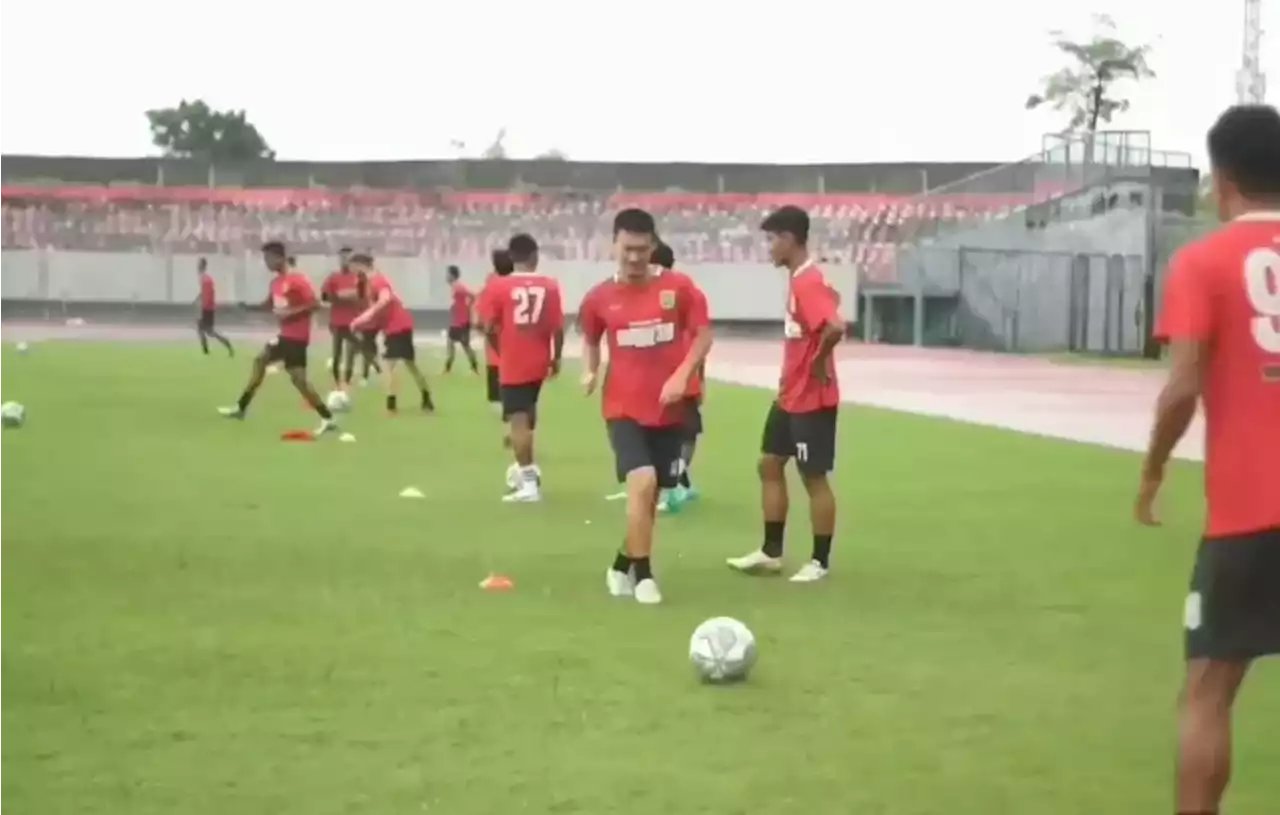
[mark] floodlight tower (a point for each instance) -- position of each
(1251, 83)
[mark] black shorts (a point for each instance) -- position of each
(368, 342)
(493, 390)
(460, 333)
(289, 353)
(1232, 611)
(636, 446)
(205, 322)
(809, 438)
(399, 346)
(521, 398)
(692, 418)
(341, 334)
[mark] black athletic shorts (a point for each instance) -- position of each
(493, 390)
(341, 334)
(521, 398)
(460, 333)
(636, 446)
(809, 438)
(1232, 611)
(205, 322)
(692, 418)
(289, 353)
(399, 346)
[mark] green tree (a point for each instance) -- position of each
(1087, 87)
(195, 130)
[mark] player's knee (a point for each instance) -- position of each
(772, 468)
(1212, 684)
(642, 484)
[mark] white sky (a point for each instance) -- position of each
(783, 81)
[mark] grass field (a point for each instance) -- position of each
(199, 618)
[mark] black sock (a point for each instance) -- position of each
(621, 563)
(204, 345)
(684, 479)
(822, 549)
(324, 412)
(448, 364)
(391, 402)
(773, 534)
(427, 404)
(475, 366)
(642, 567)
(245, 399)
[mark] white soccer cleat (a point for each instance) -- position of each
(233, 412)
(811, 572)
(527, 489)
(326, 426)
(646, 592)
(756, 561)
(619, 583)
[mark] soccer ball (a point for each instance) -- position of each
(12, 414)
(338, 401)
(22, 348)
(722, 649)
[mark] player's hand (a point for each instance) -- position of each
(674, 389)
(554, 370)
(1149, 488)
(820, 372)
(588, 383)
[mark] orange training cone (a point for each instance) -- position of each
(497, 582)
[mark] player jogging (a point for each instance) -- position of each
(341, 290)
(293, 300)
(208, 300)
(645, 318)
(460, 305)
(523, 317)
(386, 313)
(1221, 320)
(683, 492)
(801, 423)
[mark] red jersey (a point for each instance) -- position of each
(460, 307)
(526, 312)
(811, 305)
(344, 285)
(207, 296)
(395, 318)
(490, 355)
(292, 290)
(647, 326)
(1224, 290)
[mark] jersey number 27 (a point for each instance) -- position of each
(1262, 286)
(528, 302)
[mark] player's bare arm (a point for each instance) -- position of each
(1175, 408)
(371, 313)
(676, 387)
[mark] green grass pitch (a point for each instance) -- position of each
(201, 619)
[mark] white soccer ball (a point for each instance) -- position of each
(22, 348)
(12, 414)
(338, 401)
(722, 649)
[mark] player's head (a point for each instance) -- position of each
(634, 237)
(663, 256)
(344, 256)
(523, 251)
(502, 265)
(1244, 151)
(360, 263)
(452, 274)
(202, 265)
(787, 229)
(274, 256)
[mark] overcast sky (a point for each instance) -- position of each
(694, 80)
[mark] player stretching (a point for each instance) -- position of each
(646, 317)
(292, 300)
(1221, 319)
(493, 389)
(523, 317)
(459, 321)
(341, 290)
(683, 492)
(208, 300)
(387, 313)
(802, 421)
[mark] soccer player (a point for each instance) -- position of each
(366, 341)
(523, 317)
(459, 320)
(1221, 320)
(341, 290)
(493, 389)
(208, 300)
(387, 313)
(801, 423)
(683, 492)
(293, 300)
(646, 318)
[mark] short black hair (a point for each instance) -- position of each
(502, 265)
(1244, 144)
(362, 258)
(636, 221)
(273, 248)
(663, 256)
(452, 272)
(790, 220)
(522, 248)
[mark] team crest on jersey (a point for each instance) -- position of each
(667, 298)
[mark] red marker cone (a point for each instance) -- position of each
(497, 582)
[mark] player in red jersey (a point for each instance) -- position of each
(462, 300)
(293, 301)
(646, 317)
(341, 290)
(493, 389)
(208, 300)
(366, 341)
(801, 424)
(523, 317)
(386, 313)
(683, 492)
(1221, 320)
